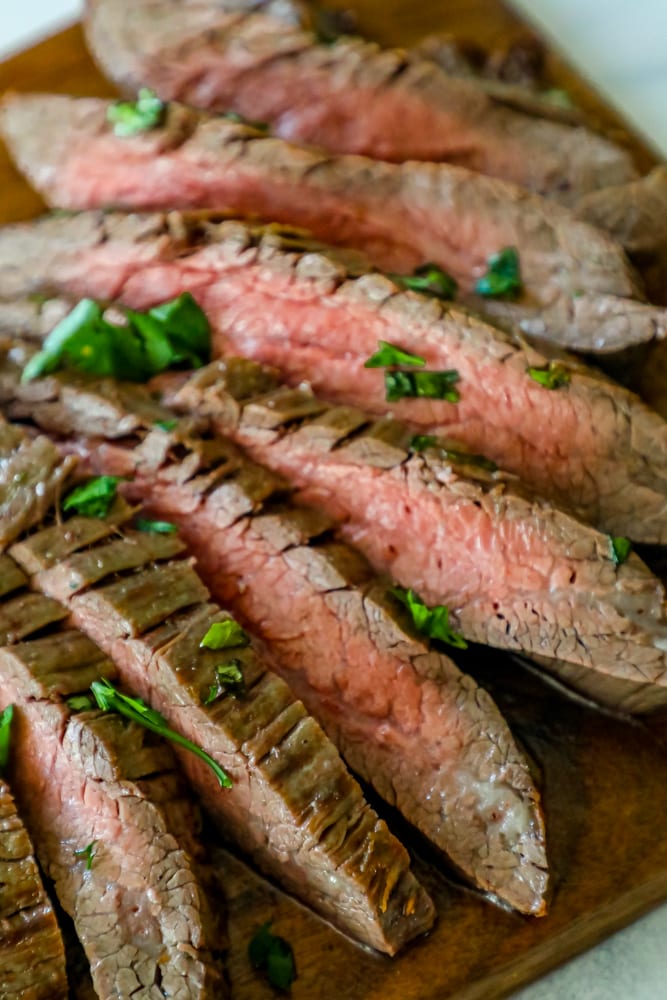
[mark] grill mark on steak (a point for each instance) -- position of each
(32, 956)
(344, 97)
(590, 445)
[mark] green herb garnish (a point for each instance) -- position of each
(174, 333)
(433, 622)
(155, 527)
(238, 119)
(503, 277)
(225, 635)
(80, 703)
(551, 376)
(389, 355)
(427, 385)
(110, 699)
(5, 734)
(88, 853)
(92, 498)
(166, 425)
(420, 442)
(274, 956)
(132, 117)
(429, 279)
(228, 680)
(620, 549)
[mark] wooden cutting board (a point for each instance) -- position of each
(604, 780)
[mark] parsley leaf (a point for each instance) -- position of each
(433, 622)
(551, 376)
(620, 549)
(389, 355)
(274, 955)
(429, 279)
(166, 425)
(93, 498)
(5, 734)
(427, 385)
(88, 853)
(420, 442)
(155, 527)
(234, 116)
(110, 699)
(80, 703)
(228, 680)
(225, 635)
(503, 277)
(132, 117)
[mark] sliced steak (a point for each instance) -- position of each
(32, 956)
(400, 216)
(293, 806)
(111, 824)
(590, 444)
(264, 61)
(634, 213)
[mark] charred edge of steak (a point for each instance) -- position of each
(98, 780)
(32, 956)
(150, 612)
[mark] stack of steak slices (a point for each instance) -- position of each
(425, 735)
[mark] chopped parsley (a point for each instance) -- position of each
(503, 276)
(174, 333)
(420, 442)
(225, 635)
(110, 699)
(388, 355)
(155, 527)
(88, 853)
(551, 376)
(5, 735)
(426, 385)
(620, 549)
(166, 425)
(228, 680)
(133, 117)
(92, 498)
(274, 956)
(80, 703)
(234, 116)
(433, 622)
(429, 279)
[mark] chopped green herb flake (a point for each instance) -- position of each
(110, 699)
(228, 680)
(225, 635)
(503, 277)
(175, 333)
(88, 853)
(5, 735)
(234, 116)
(274, 956)
(389, 355)
(166, 425)
(155, 527)
(433, 622)
(551, 376)
(133, 117)
(92, 498)
(429, 279)
(558, 98)
(80, 703)
(420, 442)
(427, 385)
(620, 549)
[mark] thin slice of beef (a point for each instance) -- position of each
(32, 956)
(293, 807)
(634, 213)
(111, 824)
(265, 62)
(589, 444)
(400, 215)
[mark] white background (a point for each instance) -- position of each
(622, 47)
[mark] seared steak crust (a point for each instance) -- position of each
(32, 957)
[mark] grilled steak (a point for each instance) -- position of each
(401, 216)
(32, 957)
(263, 60)
(590, 444)
(338, 638)
(635, 213)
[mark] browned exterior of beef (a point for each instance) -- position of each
(591, 445)
(635, 213)
(32, 957)
(263, 60)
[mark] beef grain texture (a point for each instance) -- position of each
(399, 215)
(264, 61)
(315, 314)
(293, 806)
(32, 956)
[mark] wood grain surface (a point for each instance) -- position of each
(604, 780)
